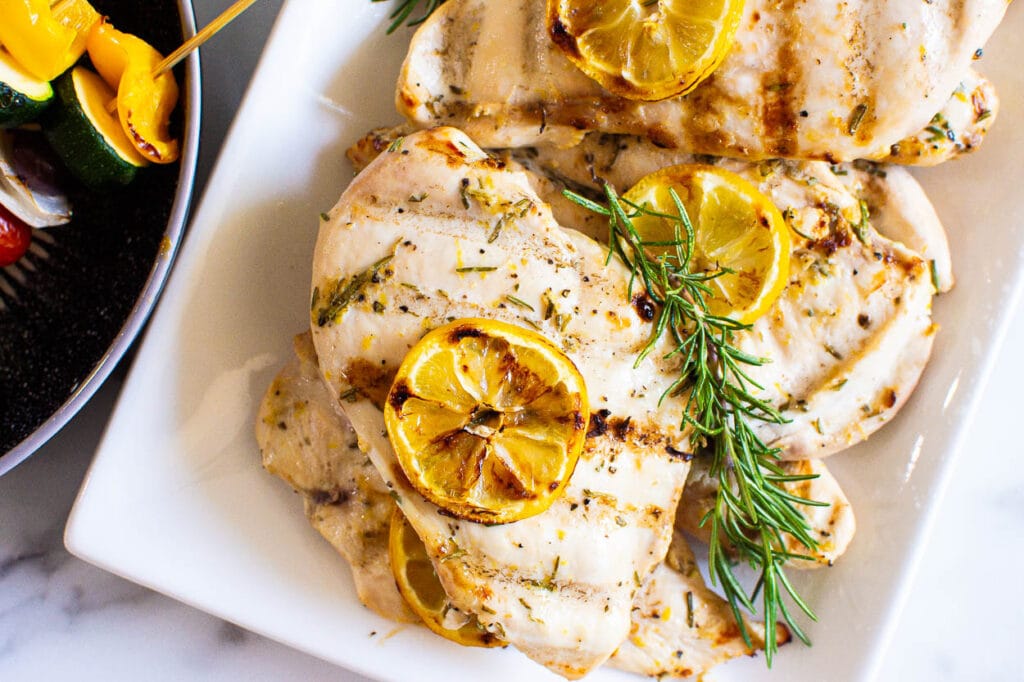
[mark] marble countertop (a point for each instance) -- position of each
(61, 618)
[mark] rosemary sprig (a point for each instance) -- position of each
(752, 511)
(403, 13)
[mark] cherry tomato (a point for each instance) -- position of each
(15, 236)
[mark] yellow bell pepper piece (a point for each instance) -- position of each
(46, 43)
(144, 103)
(79, 16)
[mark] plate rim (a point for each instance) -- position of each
(158, 274)
(76, 542)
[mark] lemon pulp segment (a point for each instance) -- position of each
(423, 592)
(645, 50)
(738, 232)
(487, 420)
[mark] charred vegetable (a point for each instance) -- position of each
(144, 101)
(29, 180)
(86, 136)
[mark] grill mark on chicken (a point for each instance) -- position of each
(809, 192)
(369, 380)
(601, 500)
(539, 96)
(779, 115)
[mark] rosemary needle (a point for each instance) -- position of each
(403, 13)
(752, 511)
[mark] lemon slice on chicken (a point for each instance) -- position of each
(645, 50)
(487, 420)
(422, 590)
(738, 234)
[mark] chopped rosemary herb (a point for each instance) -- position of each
(496, 232)
(454, 555)
(343, 292)
(934, 269)
(752, 511)
(519, 302)
(861, 228)
(549, 306)
(477, 268)
(857, 117)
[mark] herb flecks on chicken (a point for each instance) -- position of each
(752, 511)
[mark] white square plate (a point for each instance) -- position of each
(176, 498)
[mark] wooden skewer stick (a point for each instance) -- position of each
(211, 29)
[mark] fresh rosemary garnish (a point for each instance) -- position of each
(403, 13)
(752, 511)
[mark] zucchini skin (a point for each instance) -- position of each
(17, 109)
(79, 145)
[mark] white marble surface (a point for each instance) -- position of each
(63, 619)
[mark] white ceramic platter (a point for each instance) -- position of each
(176, 498)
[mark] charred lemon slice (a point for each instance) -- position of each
(645, 49)
(422, 589)
(487, 420)
(738, 232)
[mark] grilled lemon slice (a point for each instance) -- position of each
(738, 232)
(645, 50)
(422, 589)
(487, 420)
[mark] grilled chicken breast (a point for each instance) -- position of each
(426, 213)
(678, 626)
(805, 80)
(307, 442)
(851, 334)
(832, 524)
(958, 128)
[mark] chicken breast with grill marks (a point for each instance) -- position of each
(426, 213)
(298, 423)
(804, 79)
(852, 332)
